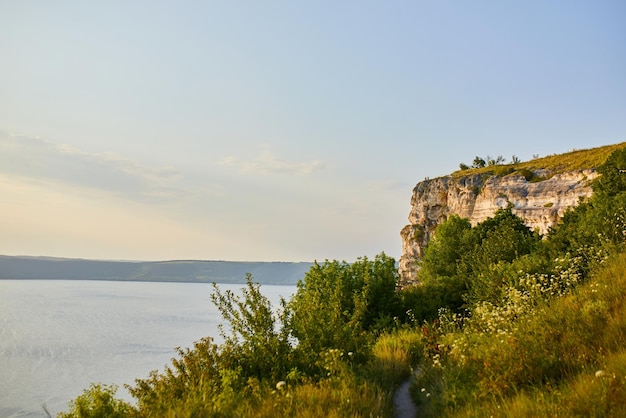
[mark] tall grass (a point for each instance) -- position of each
(564, 357)
(348, 390)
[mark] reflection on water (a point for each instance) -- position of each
(58, 336)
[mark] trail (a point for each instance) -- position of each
(403, 406)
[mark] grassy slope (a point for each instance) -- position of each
(555, 164)
(564, 358)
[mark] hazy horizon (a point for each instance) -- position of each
(154, 261)
(278, 131)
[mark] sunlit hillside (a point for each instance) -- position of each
(503, 323)
(552, 164)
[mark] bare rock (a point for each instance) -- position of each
(540, 202)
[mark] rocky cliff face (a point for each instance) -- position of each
(477, 197)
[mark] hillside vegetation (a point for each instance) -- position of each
(504, 323)
(551, 164)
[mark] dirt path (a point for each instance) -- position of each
(403, 406)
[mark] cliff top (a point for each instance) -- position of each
(552, 164)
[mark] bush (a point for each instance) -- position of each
(465, 264)
(258, 339)
(613, 174)
(338, 306)
(99, 402)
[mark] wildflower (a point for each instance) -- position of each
(600, 373)
(423, 389)
(280, 385)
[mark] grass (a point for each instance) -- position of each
(553, 164)
(565, 357)
(348, 391)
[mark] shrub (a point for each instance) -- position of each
(613, 174)
(338, 305)
(99, 402)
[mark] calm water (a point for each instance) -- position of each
(56, 336)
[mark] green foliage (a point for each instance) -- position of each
(210, 379)
(464, 264)
(98, 402)
(423, 302)
(490, 246)
(613, 174)
(445, 249)
(495, 160)
(478, 162)
(528, 174)
(599, 223)
(194, 382)
(338, 304)
(258, 342)
(503, 170)
(535, 353)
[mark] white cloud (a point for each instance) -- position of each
(40, 160)
(267, 163)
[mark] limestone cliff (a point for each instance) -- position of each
(478, 196)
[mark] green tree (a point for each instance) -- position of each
(478, 162)
(463, 264)
(99, 402)
(495, 161)
(613, 174)
(596, 226)
(440, 284)
(258, 338)
(445, 249)
(209, 379)
(502, 237)
(338, 305)
(490, 247)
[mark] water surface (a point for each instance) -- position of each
(58, 336)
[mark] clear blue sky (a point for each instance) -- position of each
(276, 130)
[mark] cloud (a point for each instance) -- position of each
(266, 163)
(40, 160)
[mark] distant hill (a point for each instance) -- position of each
(190, 271)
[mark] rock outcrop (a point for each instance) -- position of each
(477, 197)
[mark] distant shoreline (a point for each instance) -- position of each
(172, 271)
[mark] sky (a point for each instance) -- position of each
(280, 130)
